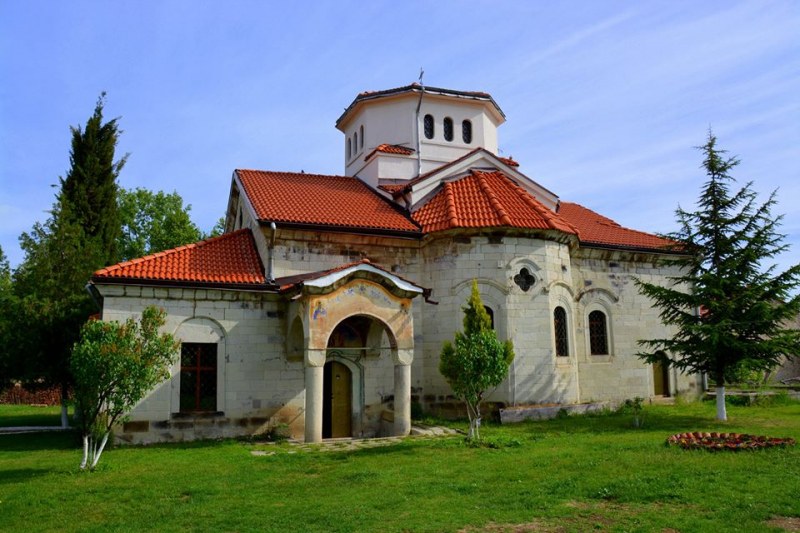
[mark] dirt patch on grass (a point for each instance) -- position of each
(786, 523)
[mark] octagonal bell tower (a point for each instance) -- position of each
(394, 135)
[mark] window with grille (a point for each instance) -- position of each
(428, 126)
(560, 327)
(598, 333)
(448, 129)
(198, 378)
(466, 131)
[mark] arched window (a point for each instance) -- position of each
(355, 142)
(466, 131)
(362, 137)
(598, 333)
(490, 313)
(448, 129)
(428, 126)
(349, 149)
(560, 329)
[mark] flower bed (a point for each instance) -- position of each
(726, 441)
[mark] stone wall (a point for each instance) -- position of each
(257, 387)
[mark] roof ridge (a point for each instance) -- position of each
(555, 221)
(450, 203)
(494, 201)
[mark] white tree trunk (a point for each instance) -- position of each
(99, 451)
(64, 414)
(85, 452)
(722, 413)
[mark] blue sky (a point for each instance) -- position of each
(605, 100)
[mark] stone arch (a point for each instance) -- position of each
(389, 314)
(597, 293)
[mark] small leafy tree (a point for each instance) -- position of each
(476, 361)
(114, 366)
(152, 222)
(730, 309)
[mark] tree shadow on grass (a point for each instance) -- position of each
(21, 475)
(615, 423)
(20, 442)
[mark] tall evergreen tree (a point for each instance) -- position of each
(88, 194)
(729, 306)
(7, 312)
(61, 254)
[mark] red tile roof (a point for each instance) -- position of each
(393, 188)
(597, 229)
(486, 199)
(508, 161)
(230, 259)
(395, 149)
(320, 200)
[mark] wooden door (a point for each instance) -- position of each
(660, 380)
(337, 408)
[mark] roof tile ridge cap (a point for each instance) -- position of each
(450, 204)
(495, 202)
(555, 220)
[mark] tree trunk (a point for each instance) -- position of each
(85, 452)
(64, 414)
(99, 451)
(722, 413)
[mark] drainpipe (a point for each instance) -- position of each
(419, 105)
(271, 260)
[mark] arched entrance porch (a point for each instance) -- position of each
(375, 308)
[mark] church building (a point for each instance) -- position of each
(323, 307)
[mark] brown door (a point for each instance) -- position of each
(660, 380)
(337, 408)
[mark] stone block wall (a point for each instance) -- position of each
(257, 387)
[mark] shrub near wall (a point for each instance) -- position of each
(18, 395)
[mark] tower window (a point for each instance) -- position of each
(428, 126)
(448, 129)
(349, 149)
(466, 131)
(355, 142)
(362, 137)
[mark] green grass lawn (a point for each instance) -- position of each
(29, 415)
(571, 474)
